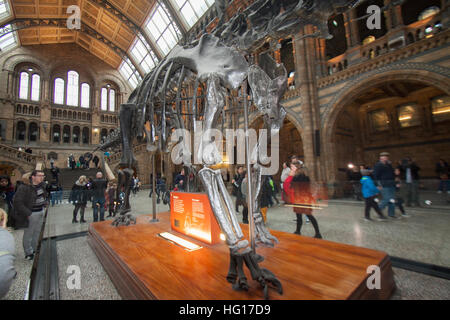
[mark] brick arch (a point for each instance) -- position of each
(357, 87)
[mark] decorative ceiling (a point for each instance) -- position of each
(112, 22)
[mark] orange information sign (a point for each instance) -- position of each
(191, 214)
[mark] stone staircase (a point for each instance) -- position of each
(67, 177)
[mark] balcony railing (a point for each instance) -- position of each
(16, 155)
(393, 40)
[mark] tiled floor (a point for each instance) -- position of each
(423, 237)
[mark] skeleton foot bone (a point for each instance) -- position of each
(237, 277)
(124, 220)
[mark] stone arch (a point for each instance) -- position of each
(357, 87)
(15, 165)
(13, 61)
(108, 77)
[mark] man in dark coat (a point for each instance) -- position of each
(384, 178)
(99, 186)
(409, 173)
(29, 203)
(95, 160)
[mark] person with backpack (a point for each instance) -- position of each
(369, 192)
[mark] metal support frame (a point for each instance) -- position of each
(25, 23)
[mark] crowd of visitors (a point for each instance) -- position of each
(83, 161)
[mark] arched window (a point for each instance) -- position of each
(56, 133)
(112, 99)
(85, 95)
(59, 113)
(66, 134)
(104, 97)
(108, 99)
(59, 91)
(21, 131)
(64, 114)
(33, 132)
(76, 135)
(72, 88)
(85, 135)
(36, 111)
(25, 109)
(35, 87)
(24, 85)
(19, 108)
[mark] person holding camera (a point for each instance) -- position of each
(79, 197)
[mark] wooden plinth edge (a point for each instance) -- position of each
(126, 283)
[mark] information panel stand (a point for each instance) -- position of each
(191, 214)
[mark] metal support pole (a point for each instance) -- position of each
(249, 173)
(154, 219)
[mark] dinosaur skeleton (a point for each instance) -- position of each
(218, 59)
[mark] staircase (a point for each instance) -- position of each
(67, 177)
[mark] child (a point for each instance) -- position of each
(369, 192)
(399, 192)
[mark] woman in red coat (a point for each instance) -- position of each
(298, 191)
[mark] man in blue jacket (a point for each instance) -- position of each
(384, 177)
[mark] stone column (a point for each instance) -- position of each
(306, 78)
(397, 16)
(354, 31)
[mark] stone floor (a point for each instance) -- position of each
(424, 237)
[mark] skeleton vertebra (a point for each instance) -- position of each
(218, 61)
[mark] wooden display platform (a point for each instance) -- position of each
(142, 265)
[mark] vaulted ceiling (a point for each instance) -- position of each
(113, 24)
